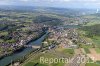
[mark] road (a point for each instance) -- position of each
(75, 61)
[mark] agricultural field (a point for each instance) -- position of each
(49, 54)
(92, 64)
(87, 50)
(97, 50)
(30, 33)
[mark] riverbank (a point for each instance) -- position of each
(21, 47)
(21, 54)
(21, 60)
(10, 53)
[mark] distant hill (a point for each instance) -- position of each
(59, 11)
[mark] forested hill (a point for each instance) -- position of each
(92, 30)
(48, 20)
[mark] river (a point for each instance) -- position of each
(6, 60)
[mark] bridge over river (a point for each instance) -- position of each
(32, 46)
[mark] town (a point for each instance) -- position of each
(29, 33)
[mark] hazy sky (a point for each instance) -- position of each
(54, 3)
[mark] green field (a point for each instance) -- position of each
(97, 50)
(93, 22)
(35, 60)
(69, 51)
(58, 64)
(33, 64)
(92, 64)
(96, 40)
(98, 62)
(87, 50)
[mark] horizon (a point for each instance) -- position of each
(89, 4)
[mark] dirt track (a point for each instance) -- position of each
(93, 55)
